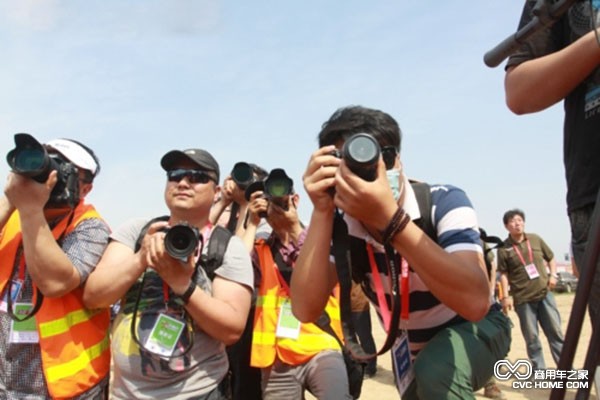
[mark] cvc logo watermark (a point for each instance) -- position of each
(525, 377)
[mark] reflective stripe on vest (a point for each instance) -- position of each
(74, 341)
(271, 295)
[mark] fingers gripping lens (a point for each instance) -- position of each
(193, 175)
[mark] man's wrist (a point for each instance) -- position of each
(184, 297)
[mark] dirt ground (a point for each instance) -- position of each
(381, 387)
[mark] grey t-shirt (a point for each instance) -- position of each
(141, 375)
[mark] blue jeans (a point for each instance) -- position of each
(546, 313)
(580, 220)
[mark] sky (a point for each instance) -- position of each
(254, 80)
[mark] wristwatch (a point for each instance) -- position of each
(184, 298)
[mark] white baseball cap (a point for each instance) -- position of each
(75, 153)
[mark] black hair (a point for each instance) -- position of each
(260, 172)
(510, 214)
(350, 120)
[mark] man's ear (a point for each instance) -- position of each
(295, 200)
(85, 188)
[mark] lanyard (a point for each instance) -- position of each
(521, 255)
(379, 290)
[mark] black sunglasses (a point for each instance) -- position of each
(388, 153)
(193, 175)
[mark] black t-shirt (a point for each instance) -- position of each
(581, 147)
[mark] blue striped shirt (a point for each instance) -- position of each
(455, 223)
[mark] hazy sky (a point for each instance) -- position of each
(254, 80)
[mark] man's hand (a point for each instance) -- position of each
(27, 195)
(507, 304)
(319, 178)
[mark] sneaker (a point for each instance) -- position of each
(492, 391)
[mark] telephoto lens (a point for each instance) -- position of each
(181, 241)
(29, 158)
(278, 184)
(361, 154)
(242, 174)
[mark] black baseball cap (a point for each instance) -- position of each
(198, 156)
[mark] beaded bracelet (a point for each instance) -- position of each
(396, 225)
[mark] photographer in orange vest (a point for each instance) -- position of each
(51, 345)
(293, 356)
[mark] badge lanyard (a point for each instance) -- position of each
(379, 290)
(521, 255)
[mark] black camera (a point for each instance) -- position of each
(276, 187)
(181, 240)
(361, 154)
(242, 174)
(30, 158)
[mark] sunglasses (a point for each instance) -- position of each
(388, 153)
(192, 175)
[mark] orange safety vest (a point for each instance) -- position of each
(74, 341)
(271, 295)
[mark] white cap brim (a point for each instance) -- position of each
(74, 153)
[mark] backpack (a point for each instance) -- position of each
(217, 244)
(423, 194)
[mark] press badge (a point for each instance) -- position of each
(287, 326)
(164, 335)
(532, 271)
(14, 295)
(23, 331)
(404, 373)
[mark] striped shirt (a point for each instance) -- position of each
(455, 222)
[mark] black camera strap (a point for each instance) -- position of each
(39, 296)
(343, 263)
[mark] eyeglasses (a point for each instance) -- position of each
(193, 175)
(388, 153)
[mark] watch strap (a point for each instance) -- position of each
(185, 296)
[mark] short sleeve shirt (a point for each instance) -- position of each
(522, 288)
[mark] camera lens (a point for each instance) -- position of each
(242, 174)
(181, 241)
(278, 188)
(361, 153)
(29, 159)
(278, 184)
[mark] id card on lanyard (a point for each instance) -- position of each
(530, 268)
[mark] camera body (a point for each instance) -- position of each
(31, 159)
(361, 153)
(182, 240)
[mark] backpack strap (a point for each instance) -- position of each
(217, 244)
(423, 194)
(138, 242)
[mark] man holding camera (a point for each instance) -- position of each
(293, 356)
(51, 345)
(446, 321)
(175, 319)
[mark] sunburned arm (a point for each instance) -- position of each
(542, 82)
(118, 269)
(314, 276)
(222, 315)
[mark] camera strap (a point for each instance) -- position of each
(343, 264)
(38, 295)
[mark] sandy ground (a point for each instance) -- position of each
(381, 387)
